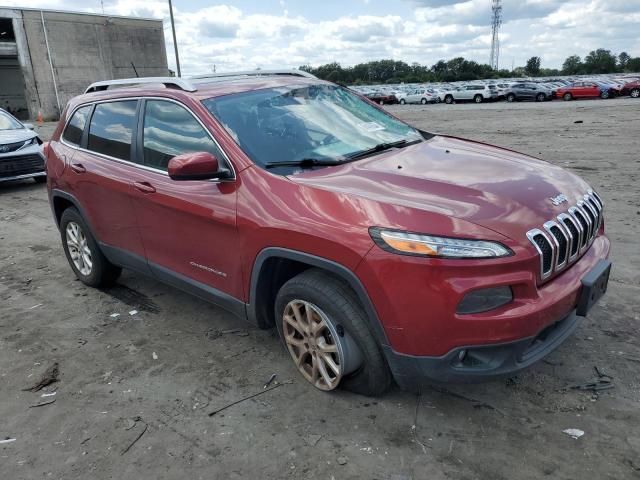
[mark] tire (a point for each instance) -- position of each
(402, 101)
(541, 97)
(478, 99)
(511, 98)
(635, 93)
(448, 99)
(567, 96)
(604, 94)
(381, 102)
(438, 100)
(366, 371)
(423, 101)
(100, 272)
(40, 179)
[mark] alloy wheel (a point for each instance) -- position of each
(323, 356)
(635, 93)
(78, 247)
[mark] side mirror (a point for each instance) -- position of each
(28, 125)
(196, 166)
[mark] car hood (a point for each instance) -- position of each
(14, 136)
(505, 191)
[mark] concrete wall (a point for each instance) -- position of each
(84, 49)
(12, 97)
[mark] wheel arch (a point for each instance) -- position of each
(274, 266)
(60, 201)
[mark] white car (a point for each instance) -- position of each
(422, 95)
(21, 154)
(477, 93)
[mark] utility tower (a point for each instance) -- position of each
(496, 22)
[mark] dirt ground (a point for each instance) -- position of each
(160, 372)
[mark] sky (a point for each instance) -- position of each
(249, 34)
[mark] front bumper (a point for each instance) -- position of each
(479, 363)
(26, 163)
(416, 300)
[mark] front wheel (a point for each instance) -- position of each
(635, 93)
(326, 333)
(567, 96)
(541, 97)
(82, 251)
(448, 99)
(423, 101)
(477, 99)
(604, 94)
(511, 97)
(402, 101)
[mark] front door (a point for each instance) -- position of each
(188, 227)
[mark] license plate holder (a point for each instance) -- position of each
(594, 286)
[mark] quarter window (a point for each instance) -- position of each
(73, 133)
(171, 130)
(111, 128)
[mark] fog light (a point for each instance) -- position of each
(484, 300)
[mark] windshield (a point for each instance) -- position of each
(7, 122)
(294, 123)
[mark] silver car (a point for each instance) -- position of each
(21, 153)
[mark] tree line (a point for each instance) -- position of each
(461, 69)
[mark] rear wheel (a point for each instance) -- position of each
(423, 101)
(635, 93)
(82, 251)
(402, 101)
(325, 331)
(511, 97)
(567, 96)
(541, 97)
(604, 94)
(477, 99)
(448, 99)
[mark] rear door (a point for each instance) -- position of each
(188, 227)
(99, 177)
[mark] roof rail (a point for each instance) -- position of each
(256, 73)
(169, 82)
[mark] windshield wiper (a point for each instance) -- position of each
(381, 147)
(304, 163)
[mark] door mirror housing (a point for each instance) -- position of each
(196, 166)
(28, 126)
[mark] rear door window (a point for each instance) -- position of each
(171, 130)
(75, 128)
(111, 128)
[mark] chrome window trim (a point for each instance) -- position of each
(547, 226)
(139, 165)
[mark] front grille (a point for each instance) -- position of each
(561, 241)
(25, 164)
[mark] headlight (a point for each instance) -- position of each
(406, 243)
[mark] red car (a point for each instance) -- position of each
(382, 98)
(632, 89)
(378, 251)
(580, 90)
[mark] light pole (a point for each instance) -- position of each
(175, 43)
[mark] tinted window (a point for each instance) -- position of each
(73, 133)
(111, 128)
(170, 130)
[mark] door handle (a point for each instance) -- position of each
(144, 187)
(78, 168)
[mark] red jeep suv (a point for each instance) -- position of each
(379, 251)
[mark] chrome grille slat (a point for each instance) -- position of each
(561, 241)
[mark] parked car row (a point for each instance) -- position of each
(510, 90)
